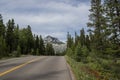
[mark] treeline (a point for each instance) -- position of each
(102, 45)
(16, 42)
(78, 48)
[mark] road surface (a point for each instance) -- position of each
(35, 68)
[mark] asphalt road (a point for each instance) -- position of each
(35, 68)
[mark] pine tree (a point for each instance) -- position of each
(69, 40)
(10, 35)
(23, 40)
(82, 37)
(70, 53)
(42, 46)
(30, 40)
(98, 23)
(78, 53)
(112, 12)
(77, 39)
(3, 48)
(2, 38)
(36, 44)
(16, 37)
(49, 49)
(37, 52)
(87, 42)
(2, 27)
(18, 51)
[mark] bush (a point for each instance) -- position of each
(78, 53)
(85, 51)
(69, 52)
(18, 51)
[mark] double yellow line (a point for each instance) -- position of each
(17, 67)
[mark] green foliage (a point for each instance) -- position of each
(15, 42)
(77, 39)
(87, 42)
(16, 37)
(42, 46)
(23, 40)
(78, 53)
(2, 27)
(3, 48)
(33, 52)
(69, 40)
(49, 49)
(18, 51)
(79, 70)
(29, 39)
(100, 49)
(97, 21)
(37, 52)
(82, 37)
(10, 35)
(81, 53)
(26, 40)
(69, 52)
(112, 10)
(85, 51)
(36, 43)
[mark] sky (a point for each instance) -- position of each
(48, 17)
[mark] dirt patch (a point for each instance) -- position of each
(92, 72)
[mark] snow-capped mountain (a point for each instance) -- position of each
(58, 45)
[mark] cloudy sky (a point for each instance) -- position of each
(47, 17)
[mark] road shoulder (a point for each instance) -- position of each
(70, 71)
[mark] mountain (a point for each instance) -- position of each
(58, 45)
(53, 40)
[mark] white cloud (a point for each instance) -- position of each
(50, 17)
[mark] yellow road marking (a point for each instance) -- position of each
(17, 67)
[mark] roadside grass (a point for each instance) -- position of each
(80, 74)
(100, 69)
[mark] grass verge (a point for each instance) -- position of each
(94, 70)
(80, 74)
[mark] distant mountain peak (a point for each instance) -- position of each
(58, 45)
(53, 40)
